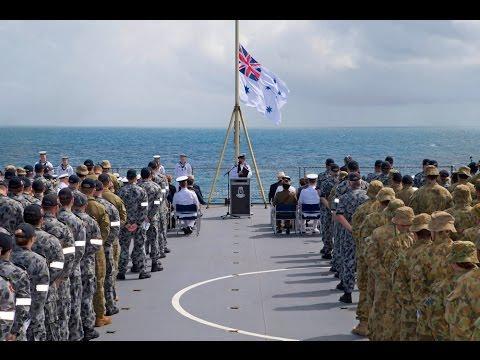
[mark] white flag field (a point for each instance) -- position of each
(260, 88)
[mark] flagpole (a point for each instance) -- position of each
(236, 128)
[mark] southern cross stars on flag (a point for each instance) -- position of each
(260, 88)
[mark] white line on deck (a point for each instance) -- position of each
(181, 310)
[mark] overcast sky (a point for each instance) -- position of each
(180, 73)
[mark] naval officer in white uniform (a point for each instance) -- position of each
(161, 169)
(185, 197)
(182, 168)
(242, 169)
(309, 196)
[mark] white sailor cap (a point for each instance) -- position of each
(156, 156)
(63, 176)
(138, 177)
(312, 176)
(182, 154)
(124, 180)
(181, 178)
(42, 153)
(64, 156)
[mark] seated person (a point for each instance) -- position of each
(286, 180)
(284, 197)
(185, 197)
(194, 187)
(310, 196)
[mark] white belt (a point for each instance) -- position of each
(69, 250)
(144, 204)
(7, 315)
(115, 224)
(23, 301)
(57, 265)
(96, 241)
(42, 288)
(80, 243)
(157, 202)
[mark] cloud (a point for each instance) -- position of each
(180, 73)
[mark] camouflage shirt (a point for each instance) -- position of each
(430, 198)
(419, 268)
(154, 194)
(419, 179)
(368, 207)
(48, 184)
(372, 176)
(350, 201)
(21, 285)
(79, 235)
(118, 203)
(32, 199)
(50, 248)
(136, 203)
(438, 257)
(98, 212)
(92, 232)
(463, 306)
(21, 199)
(7, 307)
(38, 275)
(63, 233)
(384, 178)
(11, 214)
(114, 217)
(405, 194)
(343, 187)
(464, 219)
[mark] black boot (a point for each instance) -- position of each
(120, 276)
(336, 275)
(90, 334)
(144, 275)
(332, 269)
(340, 286)
(167, 250)
(279, 230)
(114, 311)
(287, 231)
(327, 256)
(134, 269)
(162, 255)
(156, 267)
(346, 298)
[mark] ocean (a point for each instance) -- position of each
(295, 151)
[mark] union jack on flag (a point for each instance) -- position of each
(247, 64)
(260, 88)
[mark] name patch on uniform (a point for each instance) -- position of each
(144, 204)
(23, 301)
(157, 202)
(7, 315)
(96, 241)
(57, 265)
(80, 243)
(42, 288)
(69, 250)
(115, 224)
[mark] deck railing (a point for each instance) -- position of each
(204, 177)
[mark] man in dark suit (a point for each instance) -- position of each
(194, 187)
(274, 186)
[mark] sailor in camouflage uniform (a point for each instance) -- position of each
(48, 246)
(348, 204)
(377, 171)
(420, 178)
(154, 195)
(461, 210)
(114, 217)
(161, 180)
(15, 188)
(39, 278)
(431, 196)
(87, 264)
(326, 174)
(326, 221)
(462, 306)
(63, 233)
(39, 170)
(122, 212)
(38, 188)
(384, 176)
(136, 203)
(98, 212)
(11, 212)
(407, 189)
(67, 217)
(7, 307)
(27, 192)
(21, 285)
(462, 258)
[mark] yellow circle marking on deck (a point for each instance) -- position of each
(181, 310)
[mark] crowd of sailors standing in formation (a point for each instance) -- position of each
(65, 239)
(411, 244)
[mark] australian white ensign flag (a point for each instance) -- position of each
(260, 88)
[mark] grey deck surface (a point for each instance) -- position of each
(296, 304)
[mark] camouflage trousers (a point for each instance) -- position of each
(64, 308)
(36, 329)
(391, 318)
(336, 255)
(99, 296)
(347, 254)
(75, 322)
(423, 328)
(116, 258)
(163, 231)
(327, 230)
(153, 240)
(110, 268)
(362, 284)
(51, 314)
(377, 311)
(408, 323)
(138, 252)
(88, 290)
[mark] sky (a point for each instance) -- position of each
(180, 73)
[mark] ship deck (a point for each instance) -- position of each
(220, 286)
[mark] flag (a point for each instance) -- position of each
(260, 88)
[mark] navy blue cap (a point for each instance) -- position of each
(26, 182)
(79, 199)
(39, 167)
(32, 213)
(38, 185)
(28, 168)
(131, 174)
(9, 174)
(25, 231)
(73, 179)
(354, 176)
(50, 200)
(15, 183)
(88, 162)
(145, 173)
(88, 184)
